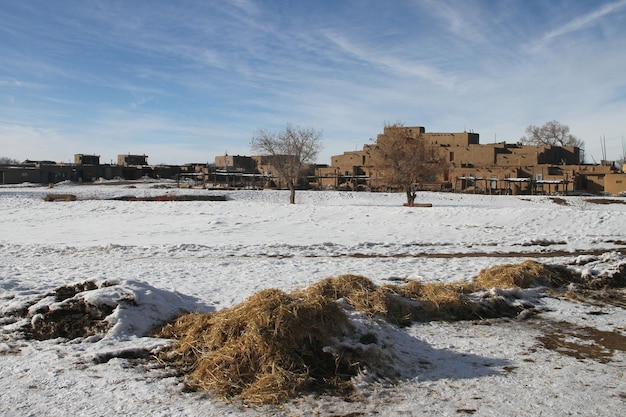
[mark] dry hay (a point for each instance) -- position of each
(356, 291)
(400, 305)
(523, 275)
(272, 346)
(265, 349)
(275, 344)
(447, 301)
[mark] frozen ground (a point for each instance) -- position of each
(202, 255)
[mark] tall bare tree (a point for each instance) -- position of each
(4, 160)
(288, 151)
(407, 161)
(552, 133)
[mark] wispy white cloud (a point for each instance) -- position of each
(202, 76)
(464, 19)
(585, 20)
(400, 65)
(577, 23)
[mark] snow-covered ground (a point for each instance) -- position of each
(205, 255)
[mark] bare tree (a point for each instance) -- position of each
(288, 151)
(552, 133)
(8, 161)
(406, 161)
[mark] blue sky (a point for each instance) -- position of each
(184, 81)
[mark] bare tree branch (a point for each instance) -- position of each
(288, 151)
(551, 134)
(4, 160)
(407, 161)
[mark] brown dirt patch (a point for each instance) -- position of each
(60, 197)
(559, 201)
(605, 201)
(172, 197)
(581, 342)
(74, 319)
(66, 316)
(534, 254)
(611, 296)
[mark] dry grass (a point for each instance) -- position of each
(265, 349)
(357, 292)
(523, 275)
(272, 346)
(400, 305)
(447, 301)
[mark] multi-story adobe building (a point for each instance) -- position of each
(86, 168)
(492, 168)
(250, 171)
(473, 167)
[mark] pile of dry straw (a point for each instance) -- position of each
(271, 347)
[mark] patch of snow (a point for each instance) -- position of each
(153, 260)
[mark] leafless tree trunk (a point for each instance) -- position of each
(288, 151)
(406, 161)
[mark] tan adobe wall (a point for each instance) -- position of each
(516, 159)
(126, 160)
(437, 138)
(591, 183)
(87, 159)
(452, 139)
(349, 160)
(412, 131)
(521, 155)
(615, 183)
(224, 161)
(327, 177)
(235, 163)
(478, 155)
(594, 169)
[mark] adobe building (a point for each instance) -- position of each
(233, 170)
(615, 183)
(269, 174)
(498, 168)
(10, 174)
(82, 159)
(235, 163)
(245, 171)
(131, 160)
(88, 167)
(133, 167)
(356, 170)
